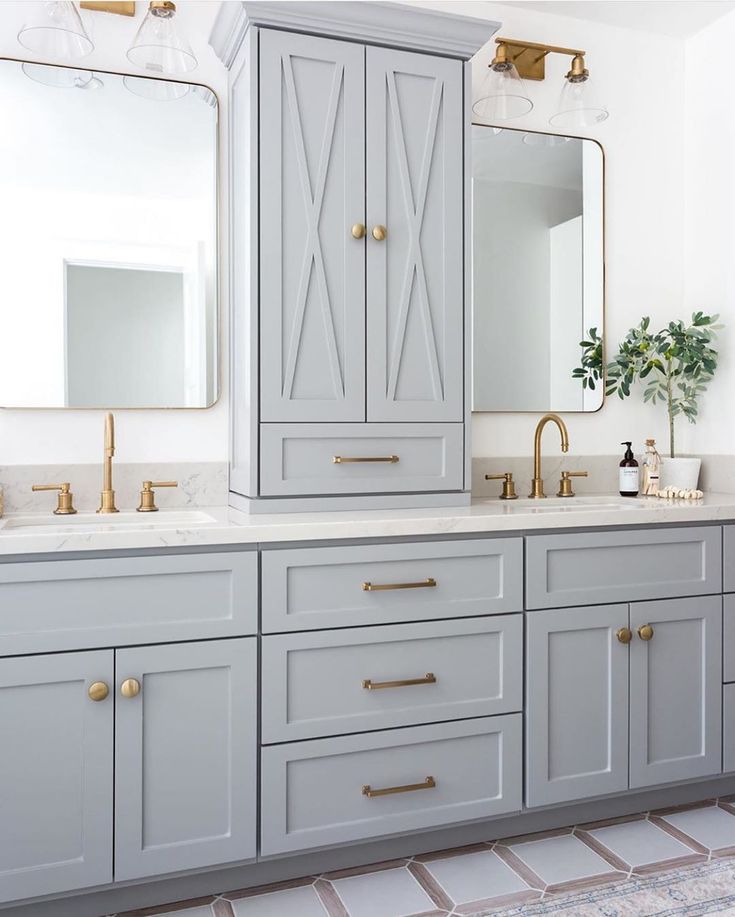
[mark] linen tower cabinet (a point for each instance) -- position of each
(349, 255)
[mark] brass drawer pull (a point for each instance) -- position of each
(352, 460)
(428, 679)
(645, 632)
(428, 784)
(624, 634)
(428, 583)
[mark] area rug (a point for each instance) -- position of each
(694, 891)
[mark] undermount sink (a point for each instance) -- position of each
(570, 504)
(92, 522)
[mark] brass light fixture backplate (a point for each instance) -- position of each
(530, 58)
(120, 7)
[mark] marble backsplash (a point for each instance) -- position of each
(200, 484)
(717, 475)
(205, 483)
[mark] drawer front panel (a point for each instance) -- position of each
(604, 567)
(76, 604)
(728, 638)
(313, 588)
(728, 728)
(298, 459)
(314, 793)
(344, 681)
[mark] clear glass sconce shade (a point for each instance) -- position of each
(578, 107)
(54, 28)
(159, 46)
(502, 96)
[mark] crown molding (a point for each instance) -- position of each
(393, 24)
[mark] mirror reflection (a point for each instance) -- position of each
(538, 270)
(108, 292)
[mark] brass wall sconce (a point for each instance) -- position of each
(119, 7)
(503, 94)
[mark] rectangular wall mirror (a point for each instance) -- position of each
(538, 268)
(108, 229)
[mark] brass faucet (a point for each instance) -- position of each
(537, 484)
(107, 497)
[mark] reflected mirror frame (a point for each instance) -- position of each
(519, 130)
(217, 260)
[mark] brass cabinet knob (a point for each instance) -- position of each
(379, 233)
(98, 690)
(645, 632)
(130, 687)
(624, 634)
(65, 501)
(358, 230)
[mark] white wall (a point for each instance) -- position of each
(642, 77)
(709, 141)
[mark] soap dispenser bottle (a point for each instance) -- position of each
(629, 473)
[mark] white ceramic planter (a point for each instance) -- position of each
(682, 473)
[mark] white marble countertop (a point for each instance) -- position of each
(45, 533)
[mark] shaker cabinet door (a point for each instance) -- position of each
(55, 773)
(312, 193)
(415, 274)
(675, 690)
(576, 704)
(185, 756)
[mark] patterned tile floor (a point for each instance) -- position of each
(672, 861)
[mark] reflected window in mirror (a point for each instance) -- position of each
(538, 268)
(108, 293)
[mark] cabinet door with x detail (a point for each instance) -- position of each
(312, 242)
(415, 267)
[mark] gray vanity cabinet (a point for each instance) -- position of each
(185, 757)
(603, 715)
(676, 690)
(55, 774)
(576, 704)
(350, 271)
(181, 752)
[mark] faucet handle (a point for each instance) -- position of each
(509, 488)
(65, 502)
(565, 485)
(148, 496)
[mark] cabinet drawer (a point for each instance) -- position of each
(314, 793)
(335, 682)
(313, 588)
(728, 638)
(298, 459)
(728, 728)
(604, 567)
(75, 604)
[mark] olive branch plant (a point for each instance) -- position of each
(675, 364)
